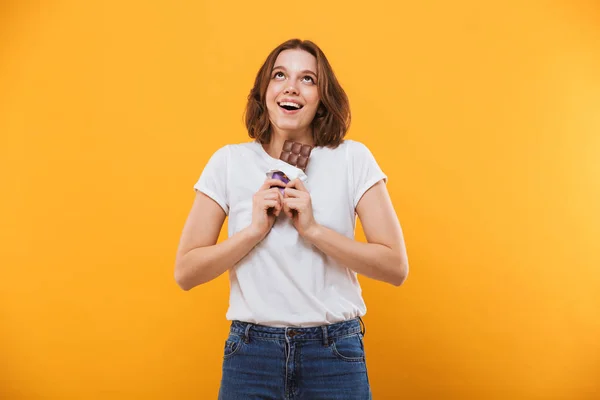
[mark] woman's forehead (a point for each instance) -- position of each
(296, 59)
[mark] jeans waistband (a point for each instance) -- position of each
(324, 333)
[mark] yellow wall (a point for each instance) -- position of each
(485, 116)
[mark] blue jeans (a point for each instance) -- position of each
(320, 363)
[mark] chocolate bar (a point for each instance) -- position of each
(296, 154)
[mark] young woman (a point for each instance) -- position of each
(295, 301)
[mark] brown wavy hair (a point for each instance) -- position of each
(332, 120)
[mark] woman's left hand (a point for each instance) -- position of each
(298, 206)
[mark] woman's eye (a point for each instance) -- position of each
(310, 78)
(278, 75)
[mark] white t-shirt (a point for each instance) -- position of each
(284, 280)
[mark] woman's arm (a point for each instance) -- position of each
(199, 259)
(384, 257)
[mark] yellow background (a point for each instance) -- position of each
(485, 116)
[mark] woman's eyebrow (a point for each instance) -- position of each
(306, 71)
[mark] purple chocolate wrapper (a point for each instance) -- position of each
(281, 176)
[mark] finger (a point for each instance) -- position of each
(290, 192)
(293, 204)
(297, 184)
(287, 210)
(269, 204)
(271, 182)
(271, 196)
(277, 182)
(275, 190)
(278, 209)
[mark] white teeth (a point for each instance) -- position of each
(287, 103)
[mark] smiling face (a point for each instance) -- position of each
(292, 95)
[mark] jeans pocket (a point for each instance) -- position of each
(232, 345)
(349, 348)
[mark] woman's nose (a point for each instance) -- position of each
(290, 89)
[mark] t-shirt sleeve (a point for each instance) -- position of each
(213, 179)
(365, 171)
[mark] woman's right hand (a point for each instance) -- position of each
(266, 206)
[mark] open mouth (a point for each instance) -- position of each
(289, 106)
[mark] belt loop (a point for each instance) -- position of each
(325, 338)
(246, 336)
(363, 327)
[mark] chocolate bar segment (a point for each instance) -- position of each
(296, 154)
